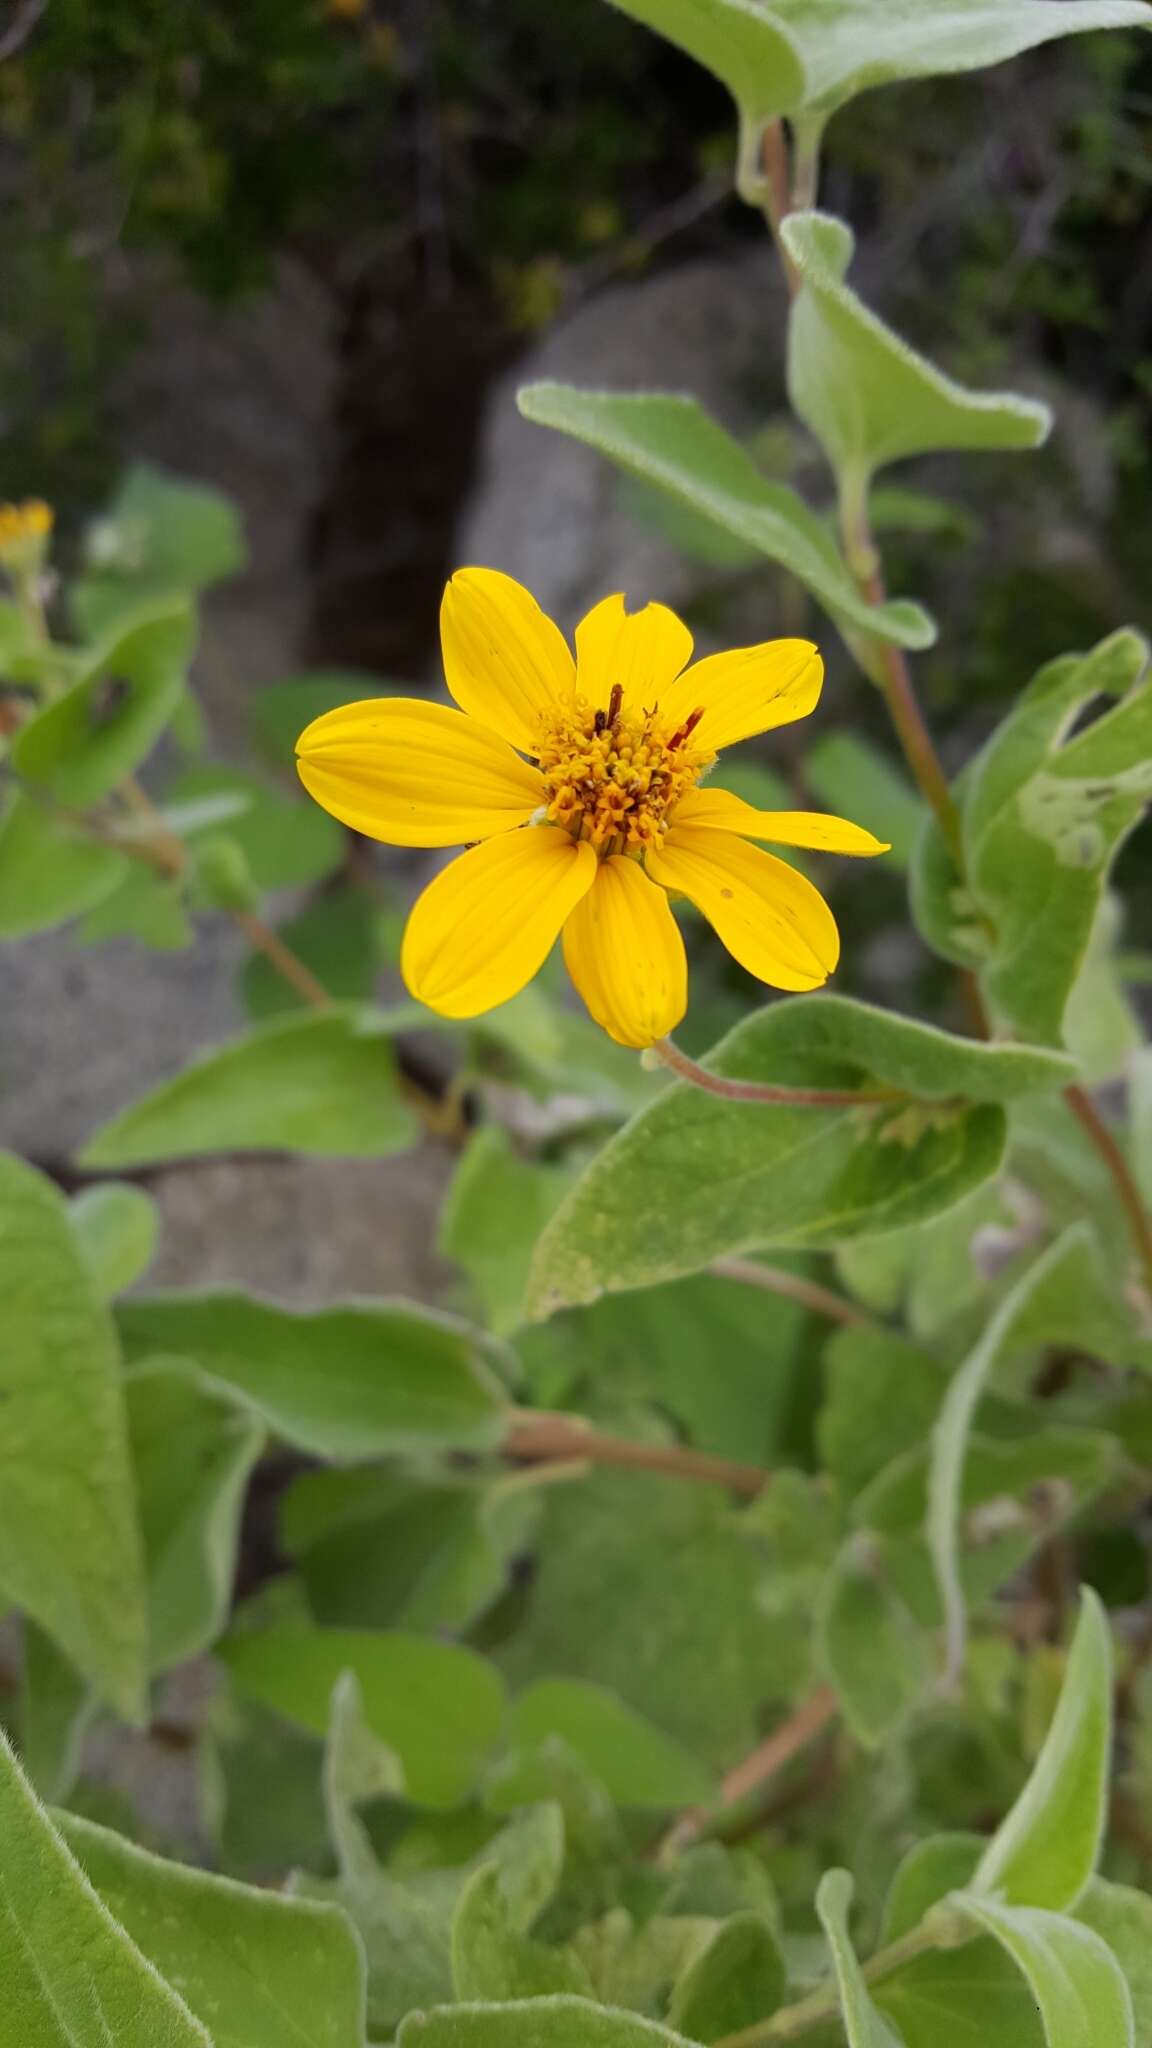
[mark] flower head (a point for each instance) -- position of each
(24, 534)
(579, 782)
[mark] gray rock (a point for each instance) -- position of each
(549, 511)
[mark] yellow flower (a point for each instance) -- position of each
(24, 533)
(578, 779)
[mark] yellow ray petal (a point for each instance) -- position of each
(506, 662)
(486, 925)
(770, 918)
(644, 651)
(415, 774)
(623, 949)
(717, 810)
(750, 690)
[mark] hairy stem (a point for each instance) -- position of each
(690, 1070)
(809, 1293)
(548, 1439)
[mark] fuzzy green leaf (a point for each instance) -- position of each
(493, 1215)
(260, 1970)
(320, 1083)
(1044, 1304)
(535, 2023)
(69, 1544)
(864, 2025)
(192, 1453)
(50, 871)
(116, 1225)
(672, 443)
(437, 1707)
(792, 57)
(870, 1647)
(637, 1763)
(736, 1981)
(493, 1959)
(1073, 1976)
(694, 1177)
(355, 1382)
(72, 1977)
(1043, 817)
(867, 396)
(1044, 1852)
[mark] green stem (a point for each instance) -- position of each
(789, 2021)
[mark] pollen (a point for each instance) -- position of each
(614, 776)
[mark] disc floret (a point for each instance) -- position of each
(614, 776)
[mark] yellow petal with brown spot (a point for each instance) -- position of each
(770, 917)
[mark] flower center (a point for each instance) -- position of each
(613, 776)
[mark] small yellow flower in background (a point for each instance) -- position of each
(579, 779)
(24, 534)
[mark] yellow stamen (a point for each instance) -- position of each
(612, 777)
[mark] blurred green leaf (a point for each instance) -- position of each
(731, 1178)
(737, 1981)
(116, 1226)
(864, 2025)
(724, 1359)
(377, 1549)
(287, 840)
(1122, 1917)
(356, 1382)
(56, 1707)
(557, 2022)
(49, 870)
(438, 1708)
(672, 443)
(1054, 1299)
(881, 1397)
(144, 906)
(192, 1454)
(637, 1764)
(492, 1217)
(69, 1545)
(72, 1977)
(1043, 816)
(162, 534)
(78, 748)
(1044, 1853)
(1073, 1976)
(492, 1959)
(706, 1658)
(869, 1645)
(321, 1083)
(259, 1969)
(855, 779)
